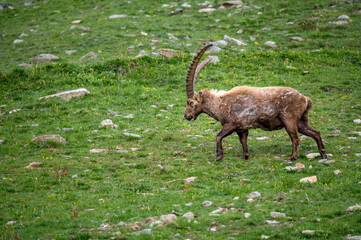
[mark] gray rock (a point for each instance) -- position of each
(168, 52)
(254, 195)
(131, 135)
(144, 231)
(353, 237)
(353, 208)
(186, 5)
(98, 150)
(297, 39)
(337, 172)
(272, 223)
(207, 10)
(338, 22)
(247, 215)
(329, 162)
(308, 232)
(188, 215)
(107, 123)
(343, 17)
(168, 218)
(277, 215)
(215, 49)
(233, 40)
(23, 35)
(122, 224)
(207, 203)
(172, 37)
(118, 16)
(17, 41)
(215, 59)
(67, 95)
(25, 65)
(141, 54)
(69, 52)
(357, 120)
(45, 138)
(270, 44)
(90, 55)
(79, 28)
(44, 58)
(1, 141)
(10, 223)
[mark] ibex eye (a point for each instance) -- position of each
(191, 104)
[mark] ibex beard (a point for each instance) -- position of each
(243, 108)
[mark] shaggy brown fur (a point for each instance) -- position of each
(244, 108)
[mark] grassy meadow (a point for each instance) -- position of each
(77, 194)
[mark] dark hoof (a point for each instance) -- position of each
(219, 158)
(245, 157)
(291, 159)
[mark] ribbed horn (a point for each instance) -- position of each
(192, 70)
(199, 69)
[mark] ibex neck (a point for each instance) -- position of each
(211, 106)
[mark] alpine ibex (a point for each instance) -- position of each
(244, 108)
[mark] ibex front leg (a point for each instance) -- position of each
(226, 131)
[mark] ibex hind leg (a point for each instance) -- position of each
(306, 129)
(291, 128)
(243, 139)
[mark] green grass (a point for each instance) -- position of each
(48, 203)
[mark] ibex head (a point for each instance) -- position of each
(194, 100)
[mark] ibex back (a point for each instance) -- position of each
(244, 108)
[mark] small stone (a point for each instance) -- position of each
(129, 116)
(89, 55)
(300, 166)
(107, 123)
(141, 54)
(338, 22)
(250, 200)
(254, 195)
(329, 162)
(150, 220)
(214, 49)
(168, 52)
(231, 4)
(168, 218)
(261, 138)
(236, 198)
(45, 138)
(337, 172)
(1, 141)
(98, 150)
(353, 208)
(312, 155)
(25, 65)
(265, 237)
(76, 21)
(207, 203)
(189, 180)
(172, 37)
(79, 28)
(67, 95)
(156, 223)
(358, 154)
(343, 17)
(131, 135)
(188, 215)
(272, 223)
(277, 215)
(216, 212)
(17, 41)
(349, 237)
(308, 232)
(118, 16)
(311, 179)
(233, 40)
(44, 58)
(297, 39)
(144, 231)
(69, 52)
(215, 59)
(270, 44)
(10, 223)
(188, 204)
(74, 176)
(247, 215)
(33, 165)
(207, 10)
(291, 67)
(240, 31)
(357, 121)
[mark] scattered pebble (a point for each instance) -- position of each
(188, 215)
(33, 165)
(118, 16)
(308, 232)
(17, 41)
(98, 150)
(168, 218)
(67, 95)
(353, 208)
(329, 162)
(189, 180)
(233, 40)
(207, 203)
(311, 179)
(297, 39)
(272, 223)
(45, 138)
(337, 172)
(343, 17)
(144, 231)
(189, 204)
(270, 44)
(107, 123)
(10, 223)
(131, 135)
(357, 121)
(247, 215)
(207, 10)
(89, 56)
(254, 195)
(265, 237)
(277, 214)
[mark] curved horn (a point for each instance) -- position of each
(192, 70)
(199, 69)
